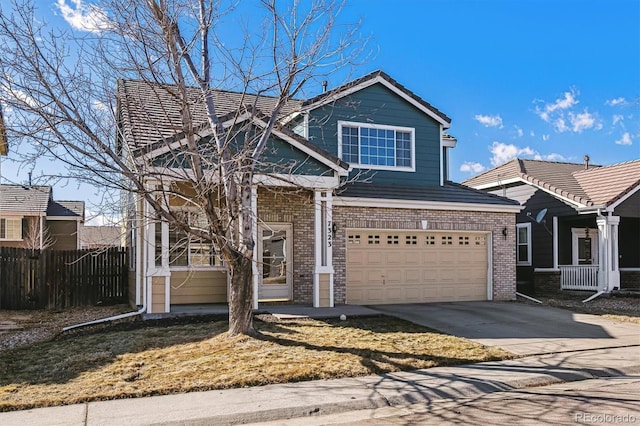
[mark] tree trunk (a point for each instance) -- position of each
(241, 300)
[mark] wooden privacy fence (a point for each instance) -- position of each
(55, 279)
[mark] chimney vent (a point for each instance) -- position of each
(586, 162)
(324, 86)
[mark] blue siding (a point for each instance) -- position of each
(278, 157)
(378, 105)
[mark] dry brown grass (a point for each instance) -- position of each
(151, 359)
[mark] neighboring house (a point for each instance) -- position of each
(407, 234)
(580, 226)
(100, 237)
(30, 218)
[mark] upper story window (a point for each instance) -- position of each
(11, 228)
(375, 146)
(523, 242)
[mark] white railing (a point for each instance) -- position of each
(579, 277)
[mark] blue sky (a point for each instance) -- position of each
(536, 79)
(539, 79)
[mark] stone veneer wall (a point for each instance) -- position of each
(504, 264)
(630, 280)
(546, 282)
(296, 208)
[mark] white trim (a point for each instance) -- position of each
(422, 205)
(622, 199)
(167, 293)
(360, 125)
(305, 181)
(254, 261)
(388, 85)
(577, 233)
(526, 226)
(555, 242)
(69, 218)
(310, 152)
(198, 268)
(489, 265)
(292, 141)
(501, 183)
(442, 159)
(317, 228)
(555, 269)
(629, 269)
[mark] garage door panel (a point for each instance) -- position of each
(416, 266)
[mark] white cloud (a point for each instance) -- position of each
(82, 16)
(582, 121)
(503, 152)
(567, 101)
(550, 157)
(519, 131)
(560, 125)
(489, 120)
(616, 119)
(616, 101)
(470, 167)
(625, 139)
(532, 133)
(506, 152)
(545, 137)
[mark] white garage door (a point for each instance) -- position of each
(415, 266)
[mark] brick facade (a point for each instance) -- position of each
(297, 209)
(504, 265)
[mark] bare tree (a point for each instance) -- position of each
(60, 88)
(34, 239)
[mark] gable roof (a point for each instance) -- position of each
(149, 112)
(24, 199)
(71, 209)
(151, 122)
(378, 77)
(590, 186)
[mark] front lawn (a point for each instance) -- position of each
(141, 359)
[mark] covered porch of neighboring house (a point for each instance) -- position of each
(597, 252)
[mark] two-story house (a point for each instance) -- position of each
(373, 218)
(31, 218)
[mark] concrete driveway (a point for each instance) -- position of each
(519, 328)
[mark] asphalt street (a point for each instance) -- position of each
(612, 400)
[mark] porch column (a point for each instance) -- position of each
(608, 271)
(256, 236)
(323, 237)
(555, 242)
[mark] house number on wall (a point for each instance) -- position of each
(329, 234)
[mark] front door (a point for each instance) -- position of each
(585, 246)
(275, 267)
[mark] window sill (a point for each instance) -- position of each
(197, 268)
(385, 168)
(12, 239)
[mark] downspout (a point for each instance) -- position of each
(140, 311)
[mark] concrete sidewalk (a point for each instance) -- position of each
(323, 397)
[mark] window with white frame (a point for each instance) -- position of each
(186, 249)
(11, 228)
(376, 146)
(523, 244)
